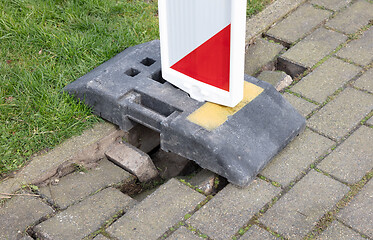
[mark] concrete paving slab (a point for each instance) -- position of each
(231, 208)
(272, 13)
(157, 213)
(353, 158)
(19, 213)
(183, 234)
(334, 5)
(365, 81)
(304, 107)
(260, 54)
(77, 186)
(359, 213)
(314, 47)
(85, 217)
(370, 121)
(326, 79)
(339, 231)
(298, 23)
(296, 213)
(352, 18)
(100, 237)
(297, 157)
(256, 233)
(359, 51)
(342, 114)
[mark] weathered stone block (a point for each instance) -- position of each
(342, 114)
(19, 213)
(314, 47)
(296, 213)
(232, 207)
(353, 158)
(77, 186)
(133, 160)
(85, 217)
(338, 231)
(298, 23)
(157, 213)
(296, 157)
(183, 234)
(326, 79)
(360, 50)
(365, 81)
(334, 5)
(261, 54)
(256, 233)
(359, 213)
(304, 107)
(352, 18)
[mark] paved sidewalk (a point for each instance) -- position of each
(319, 187)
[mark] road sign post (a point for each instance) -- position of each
(203, 47)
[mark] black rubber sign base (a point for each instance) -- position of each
(233, 142)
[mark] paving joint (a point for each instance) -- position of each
(330, 215)
(188, 215)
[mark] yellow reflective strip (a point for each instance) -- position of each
(211, 115)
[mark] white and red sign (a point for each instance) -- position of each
(203, 47)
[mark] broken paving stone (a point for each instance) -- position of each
(169, 164)
(278, 79)
(205, 181)
(133, 160)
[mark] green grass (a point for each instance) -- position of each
(46, 44)
(255, 6)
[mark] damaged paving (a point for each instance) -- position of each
(318, 187)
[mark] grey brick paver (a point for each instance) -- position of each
(353, 158)
(339, 116)
(297, 212)
(100, 237)
(360, 50)
(338, 231)
(365, 81)
(296, 157)
(231, 208)
(304, 107)
(20, 212)
(256, 233)
(260, 54)
(370, 121)
(85, 217)
(183, 234)
(352, 18)
(359, 213)
(298, 24)
(314, 47)
(331, 4)
(157, 213)
(78, 185)
(326, 79)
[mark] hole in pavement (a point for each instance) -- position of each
(169, 165)
(148, 61)
(132, 72)
(157, 76)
